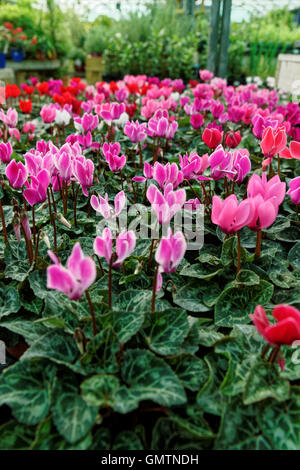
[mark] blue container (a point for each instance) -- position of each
(17, 55)
(2, 60)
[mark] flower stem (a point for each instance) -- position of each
(33, 223)
(92, 313)
(141, 155)
(36, 248)
(3, 223)
(258, 243)
(238, 268)
(278, 166)
(52, 220)
(154, 289)
(75, 205)
(110, 280)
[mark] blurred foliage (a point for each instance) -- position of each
(162, 40)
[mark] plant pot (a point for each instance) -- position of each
(2, 60)
(94, 68)
(17, 55)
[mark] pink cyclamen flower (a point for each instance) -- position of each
(48, 113)
(36, 191)
(166, 205)
(135, 131)
(83, 171)
(125, 244)
(193, 165)
(101, 205)
(273, 189)
(264, 213)
(10, 118)
(87, 123)
(15, 133)
(63, 163)
(206, 75)
(76, 278)
(272, 141)
(111, 148)
(229, 214)
(169, 254)
(292, 152)
(212, 137)
(165, 174)
(294, 190)
(170, 251)
(5, 151)
(16, 174)
(148, 174)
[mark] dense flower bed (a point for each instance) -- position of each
(122, 331)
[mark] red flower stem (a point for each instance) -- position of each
(238, 268)
(265, 350)
(52, 220)
(65, 196)
(154, 289)
(92, 313)
(109, 280)
(3, 223)
(53, 199)
(141, 155)
(100, 265)
(33, 223)
(28, 246)
(274, 354)
(258, 243)
(278, 167)
(36, 248)
(75, 204)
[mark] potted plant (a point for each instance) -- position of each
(18, 45)
(95, 46)
(4, 44)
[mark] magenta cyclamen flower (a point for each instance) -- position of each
(165, 174)
(230, 215)
(87, 123)
(83, 171)
(116, 163)
(63, 163)
(125, 244)
(48, 113)
(135, 131)
(5, 152)
(101, 205)
(76, 278)
(36, 191)
(234, 166)
(294, 190)
(193, 165)
(111, 148)
(273, 189)
(16, 174)
(166, 205)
